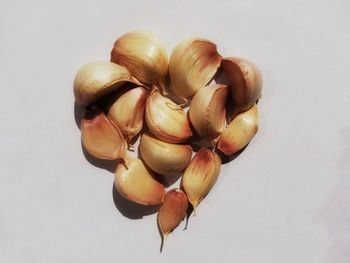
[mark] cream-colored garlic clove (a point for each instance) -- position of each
(144, 55)
(201, 175)
(172, 211)
(207, 111)
(246, 82)
(96, 79)
(136, 183)
(163, 157)
(239, 132)
(193, 63)
(101, 138)
(128, 110)
(165, 119)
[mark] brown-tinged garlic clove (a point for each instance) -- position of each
(144, 55)
(246, 82)
(163, 157)
(136, 183)
(239, 132)
(96, 79)
(172, 211)
(101, 138)
(128, 110)
(201, 175)
(193, 63)
(207, 111)
(165, 119)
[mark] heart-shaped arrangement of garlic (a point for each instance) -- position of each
(135, 96)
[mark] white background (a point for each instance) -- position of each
(284, 199)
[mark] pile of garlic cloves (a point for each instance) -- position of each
(171, 106)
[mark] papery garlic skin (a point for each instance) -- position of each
(101, 138)
(163, 157)
(143, 54)
(96, 79)
(172, 211)
(193, 63)
(128, 110)
(136, 183)
(246, 82)
(208, 109)
(201, 175)
(239, 132)
(165, 119)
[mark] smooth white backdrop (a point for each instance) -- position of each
(284, 199)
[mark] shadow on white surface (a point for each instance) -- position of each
(109, 165)
(130, 209)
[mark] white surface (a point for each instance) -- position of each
(284, 199)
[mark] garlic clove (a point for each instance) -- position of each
(144, 55)
(96, 79)
(165, 119)
(246, 82)
(239, 132)
(101, 138)
(201, 175)
(207, 110)
(136, 183)
(128, 110)
(172, 211)
(193, 63)
(163, 157)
